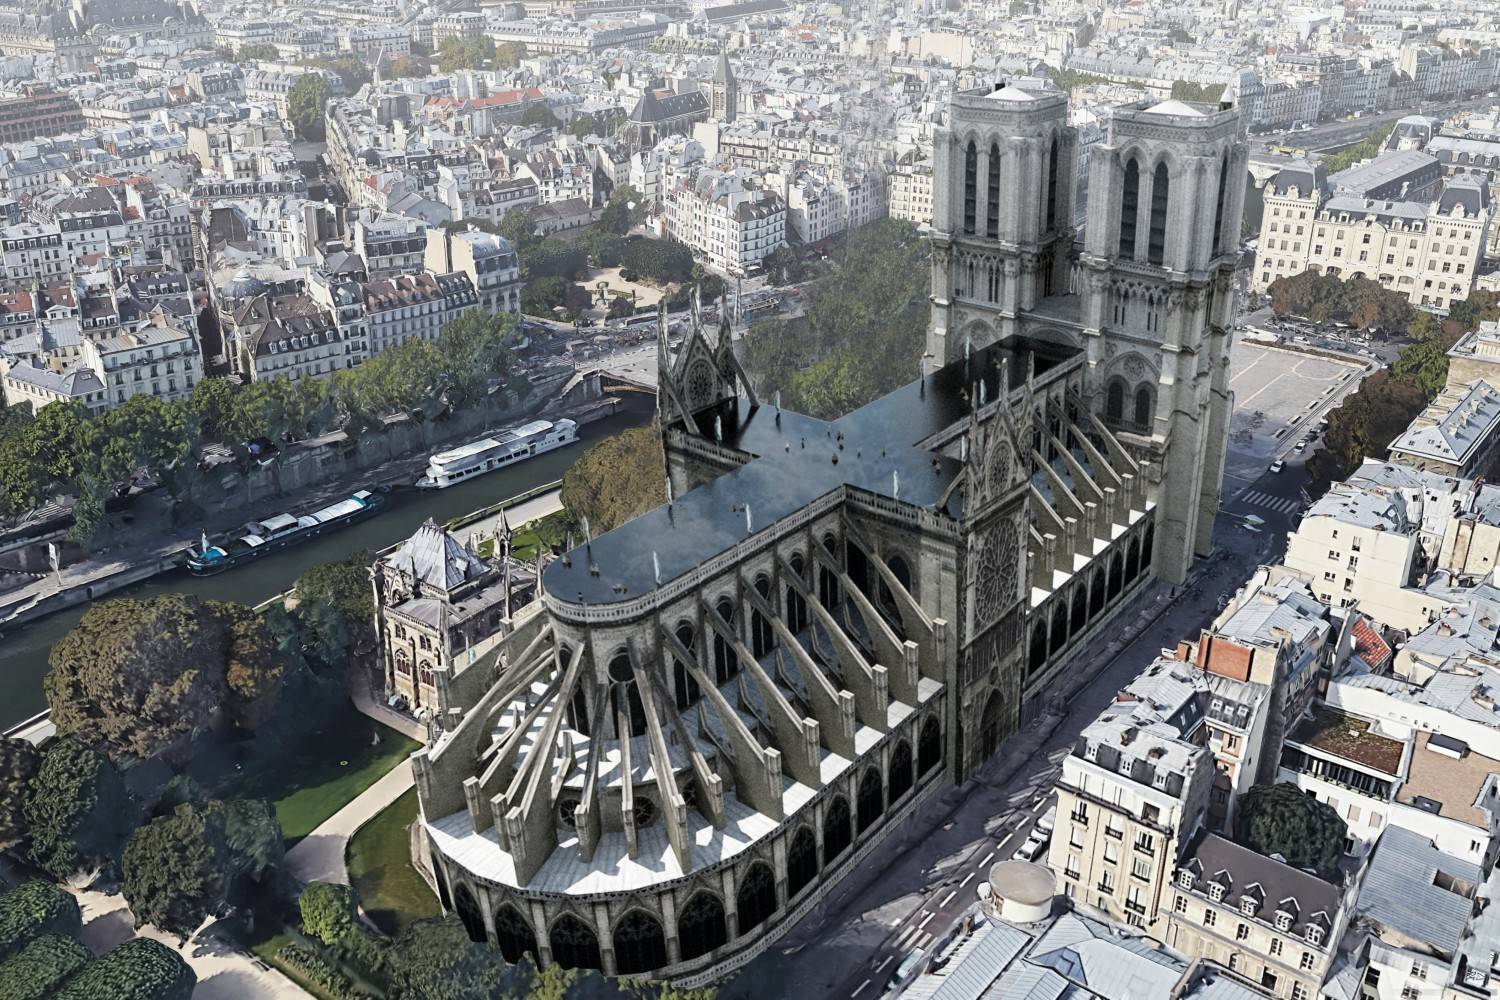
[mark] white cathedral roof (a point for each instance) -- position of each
(1174, 108)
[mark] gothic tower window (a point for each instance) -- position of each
(871, 800)
(1144, 405)
(1052, 185)
(726, 665)
(1219, 240)
(901, 778)
(1130, 197)
(701, 927)
(971, 180)
(1114, 402)
(992, 193)
(762, 635)
(796, 606)
(1156, 245)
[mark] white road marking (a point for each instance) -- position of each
(986, 859)
(859, 987)
(884, 962)
(923, 941)
(948, 899)
(966, 880)
(926, 920)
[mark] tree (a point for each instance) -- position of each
(342, 590)
(663, 261)
(174, 871)
(626, 207)
(181, 868)
(258, 52)
(784, 266)
(254, 666)
(1370, 146)
(1282, 819)
(352, 71)
(306, 103)
(604, 248)
(19, 761)
(539, 114)
(519, 227)
(212, 405)
(620, 307)
(39, 969)
(464, 53)
(1182, 90)
(540, 296)
(78, 812)
(617, 479)
(138, 674)
(328, 911)
(508, 55)
(554, 258)
(33, 909)
(403, 67)
(435, 960)
(476, 347)
(139, 969)
(584, 126)
(553, 983)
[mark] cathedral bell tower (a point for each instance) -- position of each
(1003, 179)
(1166, 194)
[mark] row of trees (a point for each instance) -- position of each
(41, 957)
(1362, 302)
(456, 54)
(62, 450)
(863, 331)
(1360, 151)
(1210, 93)
(1369, 418)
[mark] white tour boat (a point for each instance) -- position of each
(509, 447)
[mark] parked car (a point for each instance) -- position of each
(1032, 849)
(1048, 820)
(1278, 465)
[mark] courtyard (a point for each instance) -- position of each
(1278, 395)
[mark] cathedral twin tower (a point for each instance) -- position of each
(1148, 296)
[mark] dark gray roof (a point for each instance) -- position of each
(1302, 175)
(790, 463)
(437, 558)
(651, 109)
(1472, 193)
(1278, 885)
(1401, 889)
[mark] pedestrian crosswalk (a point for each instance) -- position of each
(1279, 505)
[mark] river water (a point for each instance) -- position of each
(24, 651)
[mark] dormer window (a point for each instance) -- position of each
(1248, 906)
(1216, 891)
(1314, 934)
(1283, 921)
(1185, 879)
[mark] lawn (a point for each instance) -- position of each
(391, 891)
(319, 771)
(543, 532)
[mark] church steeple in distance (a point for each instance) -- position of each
(725, 92)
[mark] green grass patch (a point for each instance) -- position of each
(380, 869)
(541, 533)
(314, 775)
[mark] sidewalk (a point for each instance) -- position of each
(320, 855)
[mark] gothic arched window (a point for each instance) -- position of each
(1078, 614)
(701, 927)
(828, 581)
(796, 605)
(801, 861)
(1220, 240)
(1038, 648)
(1133, 559)
(1096, 594)
(726, 664)
(1130, 200)
(901, 779)
(992, 193)
(1114, 402)
(1156, 245)
(1144, 405)
(871, 801)
(1052, 185)
(640, 945)
(685, 688)
(762, 634)
(929, 745)
(1059, 637)
(574, 944)
(755, 900)
(971, 181)
(513, 934)
(836, 833)
(1116, 578)
(468, 912)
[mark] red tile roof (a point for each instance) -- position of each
(1368, 643)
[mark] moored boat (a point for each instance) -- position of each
(509, 447)
(272, 534)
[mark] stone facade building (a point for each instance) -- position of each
(716, 710)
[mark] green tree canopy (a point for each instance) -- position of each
(1363, 150)
(305, 105)
(78, 811)
(351, 70)
(617, 479)
(39, 969)
(508, 55)
(1282, 819)
(435, 960)
(626, 207)
(552, 257)
(33, 909)
(476, 349)
(139, 969)
(662, 261)
(404, 67)
(584, 126)
(539, 114)
(258, 52)
(464, 53)
(1182, 90)
(19, 761)
(328, 911)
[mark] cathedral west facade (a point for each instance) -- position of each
(712, 713)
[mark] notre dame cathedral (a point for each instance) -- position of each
(711, 713)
